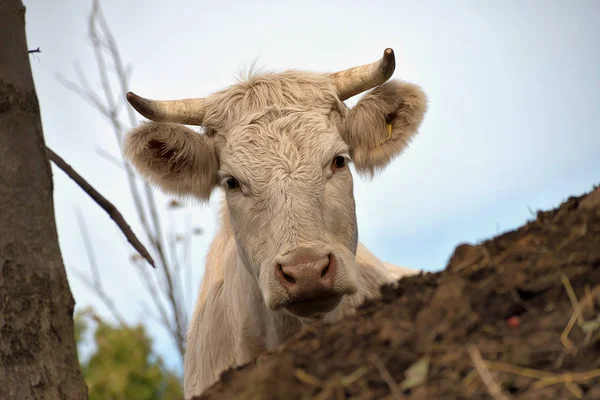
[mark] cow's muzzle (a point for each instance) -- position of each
(309, 284)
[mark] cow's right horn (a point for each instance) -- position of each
(353, 81)
(185, 111)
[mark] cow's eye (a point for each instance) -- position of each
(232, 183)
(339, 162)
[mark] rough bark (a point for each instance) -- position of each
(38, 355)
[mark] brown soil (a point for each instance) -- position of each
(500, 312)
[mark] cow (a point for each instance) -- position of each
(286, 253)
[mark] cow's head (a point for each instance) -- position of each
(279, 145)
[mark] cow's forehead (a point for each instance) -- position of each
(281, 139)
(301, 90)
(285, 134)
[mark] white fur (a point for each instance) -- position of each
(231, 324)
(277, 135)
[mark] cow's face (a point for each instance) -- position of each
(280, 146)
(289, 194)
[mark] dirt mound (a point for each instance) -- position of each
(517, 316)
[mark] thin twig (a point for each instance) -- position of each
(187, 257)
(334, 386)
(577, 315)
(306, 378)
(564, 337)
(96, 284)
(545, 378)
(172, 241)
(385, 374)
(86, 95)
(117, 127)
(153, 292)
(515, 370)
(87, 243)
(151, 288)
(485, 375)
(573, 298)
(109, 157)
(102, 202)
(94, 15)
(166, 288)
(567, 377)
(103, 297)
(175, 305)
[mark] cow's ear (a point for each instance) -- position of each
(382, 124)
(175, 158)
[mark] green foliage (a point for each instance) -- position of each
(122, 366)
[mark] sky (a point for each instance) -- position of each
(512, 127)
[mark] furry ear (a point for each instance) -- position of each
(382, 124)
(175, 158)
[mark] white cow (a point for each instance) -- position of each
(287, 250)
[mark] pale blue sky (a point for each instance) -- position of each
(514, 89)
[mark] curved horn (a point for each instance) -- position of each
(185, 111)
(353, 81)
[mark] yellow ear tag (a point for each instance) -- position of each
(389, 134)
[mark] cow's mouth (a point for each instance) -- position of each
(309, 307)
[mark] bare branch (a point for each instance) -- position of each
(150, 287)
(166, 289)
(156, 318)
(117, 127)
(187, 257)
(89, 97)
(123, 73)
(99, 58)
(102, 202)
(103, 297)
(88, 248)
(109, 157)
(152, 291)
(175, 305)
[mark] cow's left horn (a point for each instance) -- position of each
(185, 111)
(353, 81)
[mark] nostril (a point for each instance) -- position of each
(287, 277)
(327, 268)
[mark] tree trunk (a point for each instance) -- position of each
(38, 355)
